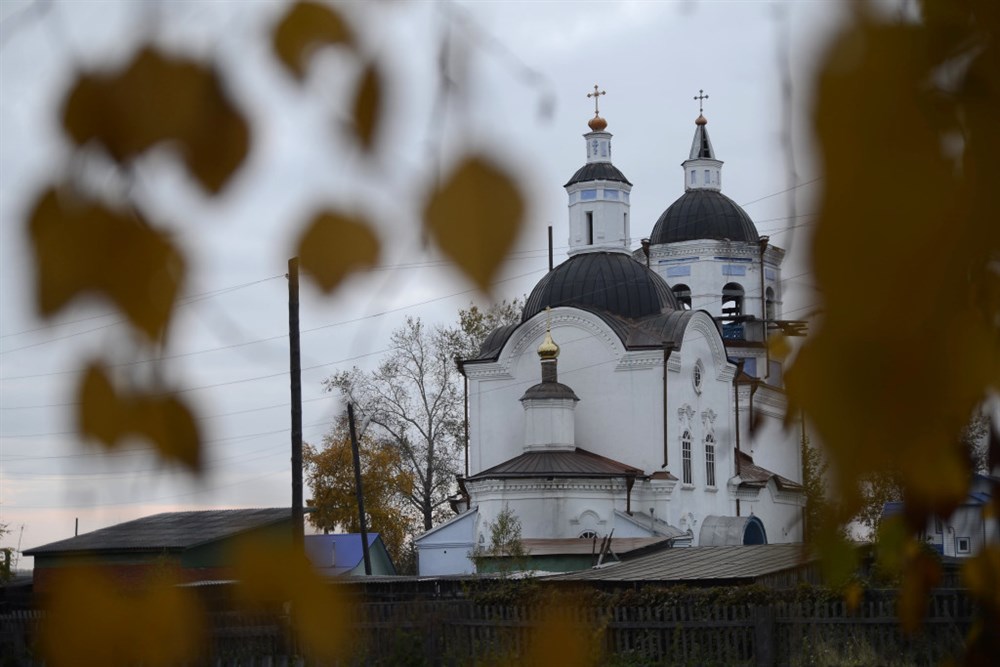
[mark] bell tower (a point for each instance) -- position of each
(598, 194)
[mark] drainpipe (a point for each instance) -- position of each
(736, 399)
(667, 349)
(629, 482)
(465, 404)
(763, 307)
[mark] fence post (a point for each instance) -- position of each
(763, 633)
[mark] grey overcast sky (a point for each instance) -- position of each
(522, 69)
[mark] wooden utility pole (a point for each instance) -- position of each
(357, 485)
(295, 373)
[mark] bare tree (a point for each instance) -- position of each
(414, 398)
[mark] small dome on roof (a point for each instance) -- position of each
(704, 214)
(609, 281)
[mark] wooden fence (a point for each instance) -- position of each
(463, 632)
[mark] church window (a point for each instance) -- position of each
(590, 228)
(708, 177)
(692, 176)
(732, 300)
(698, 375)
(588, 535)
(769, 304)
(710, 460)
(586, 195)
(686, 457)
(683, 294)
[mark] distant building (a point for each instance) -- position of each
(645, 429)
(967, 530)
(341, 555)
(196, 545)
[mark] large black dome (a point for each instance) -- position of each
(607, 281)
(704, 214)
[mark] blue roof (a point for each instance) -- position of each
(345, 547)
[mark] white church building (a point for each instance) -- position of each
(621, 403)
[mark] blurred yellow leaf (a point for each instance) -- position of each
(557, 640)
(368, 107)
(271, 572)
(475, 216)
(853, 595)
(778, 347)
(981, 574)
(85, 247)
(109, 416)
(158, 98)
(305, 27)
(91, 620)
(333, 245)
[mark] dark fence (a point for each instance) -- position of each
(465, 632)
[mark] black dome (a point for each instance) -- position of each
(704, 214)
(608, 281)
(597, 171)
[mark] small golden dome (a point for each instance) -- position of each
(701, 120)
(597, 123)
(548, 349)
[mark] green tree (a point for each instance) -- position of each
(505, 552)
(330, 474)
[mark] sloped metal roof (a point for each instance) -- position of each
(169, 531)
(576, 463)
(597, 171)
(577, 545)
(691, 564)
(752, 474)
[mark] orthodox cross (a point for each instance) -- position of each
(596, 94)
(700, 96)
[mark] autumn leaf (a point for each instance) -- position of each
(334, 245)
(368, 106)
(83, 247)
(475, 216)
(109, 415)
(305, 27)
(156, 99)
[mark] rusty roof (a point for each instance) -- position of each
(574, 463)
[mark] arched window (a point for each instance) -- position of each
(769, 304)
(683, 294)
(710, 459)
(588, 535)
(686, 456)
(732, 300)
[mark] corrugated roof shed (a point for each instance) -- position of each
(698, 564)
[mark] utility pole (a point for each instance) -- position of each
(295, 372)
(357, 486)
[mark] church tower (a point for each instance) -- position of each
(709, 251)
(598, 195)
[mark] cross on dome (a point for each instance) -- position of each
(597, 124)
(596, 95)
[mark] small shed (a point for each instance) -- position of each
(197, 544)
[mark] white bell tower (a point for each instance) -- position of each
(598, 195)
